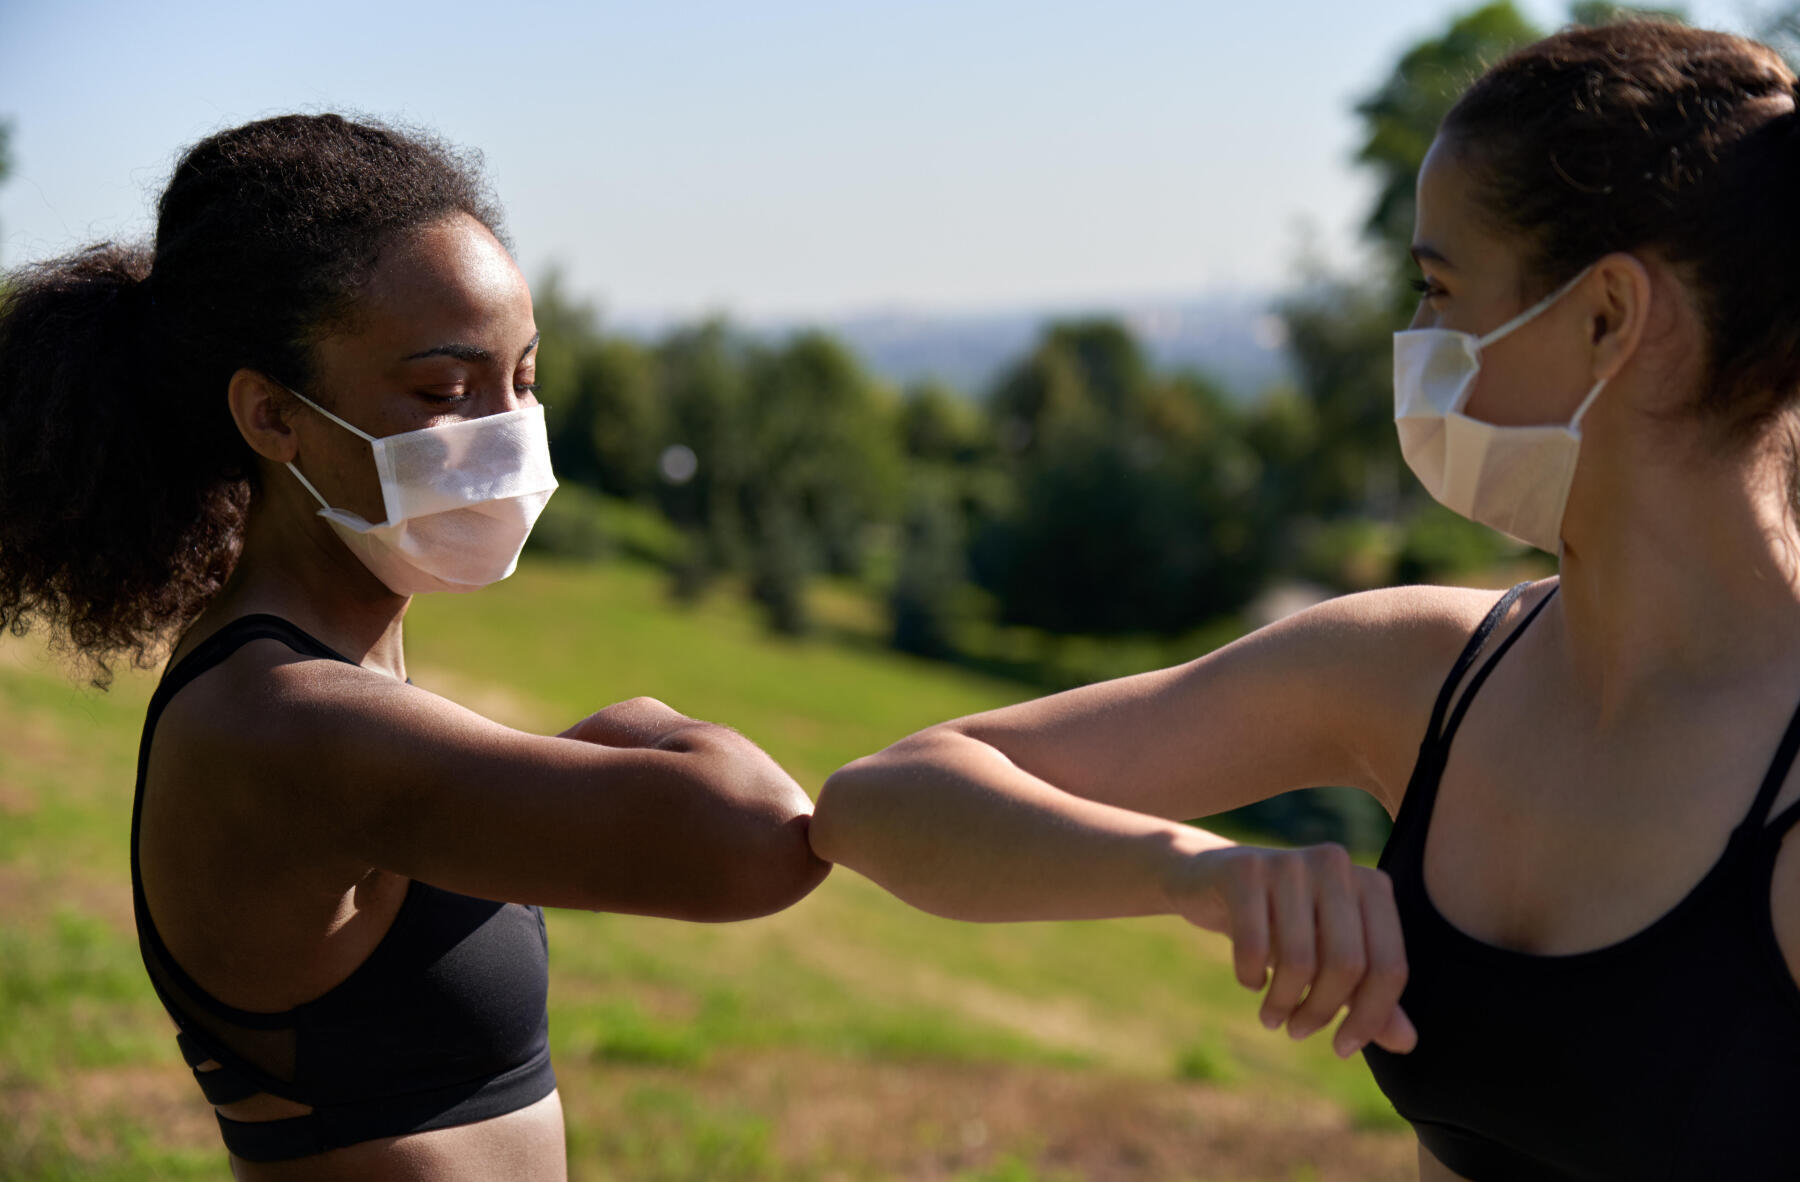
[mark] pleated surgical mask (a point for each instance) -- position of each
(1514, 479)
(460, 500)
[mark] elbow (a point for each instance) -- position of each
(774, 869)
(764, 861)
(844, 802)
(864, 803)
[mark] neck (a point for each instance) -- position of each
(1680, 569)
(293, 566)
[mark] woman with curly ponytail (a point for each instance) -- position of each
(250, 443)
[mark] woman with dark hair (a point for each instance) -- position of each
(1578, 957)
(312, 398)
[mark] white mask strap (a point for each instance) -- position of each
(1515, 322)
(346, 426)
(1575, 423)
(309, 486)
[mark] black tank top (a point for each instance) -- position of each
(1671, 1054)
(443, 1024)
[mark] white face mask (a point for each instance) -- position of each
(460, 500)
(1515, 479)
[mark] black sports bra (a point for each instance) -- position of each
(1671, 1054)
(443, 1024)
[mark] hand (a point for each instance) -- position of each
(635, 722)
(1327, 927)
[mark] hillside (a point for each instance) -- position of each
(847, 1038)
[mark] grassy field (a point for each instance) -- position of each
(847, 1038)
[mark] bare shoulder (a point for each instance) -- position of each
(1378, 640)
(267, 700)
(281, 741)
(1421, 614)
(1336, 694)
(1373, 663)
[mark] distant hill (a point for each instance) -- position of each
(1232, 336)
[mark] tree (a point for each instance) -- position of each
(701, 386)
(1132, 507)
(1401, 118)
(1340, 329)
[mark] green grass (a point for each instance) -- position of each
(686, 1051)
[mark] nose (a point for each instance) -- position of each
(514, 398)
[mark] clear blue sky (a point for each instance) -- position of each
(768, 158)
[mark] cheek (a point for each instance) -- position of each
(1541, 390)
(344, 473)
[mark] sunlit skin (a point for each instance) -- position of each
(289, 801)
(1652, 691)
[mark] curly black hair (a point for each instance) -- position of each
(123, 480)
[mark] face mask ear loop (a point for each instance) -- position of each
(1530, 313)
(346, 426)
(323, 503)
(1575, 423)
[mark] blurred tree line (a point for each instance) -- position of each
(1085, 493)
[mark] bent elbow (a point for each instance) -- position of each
(863, 802)
(761, 859)
(774, 869)
(844, 802)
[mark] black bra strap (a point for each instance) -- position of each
(233, 636)
(1469, 653)
(1774, 779)
(1481, 675)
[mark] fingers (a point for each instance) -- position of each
(1294, 940)
(1375, 1007)
(1399, 1035)
(1331, 932)
(1248, 899)
(1342, 958)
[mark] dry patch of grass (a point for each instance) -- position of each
(806, 1116)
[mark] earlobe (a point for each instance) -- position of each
(257, 406)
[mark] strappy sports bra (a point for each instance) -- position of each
(443, 1024)
(1671, 1054)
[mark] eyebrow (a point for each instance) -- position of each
(471, 353)
(1421, 251)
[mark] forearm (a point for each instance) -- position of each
(950, 825)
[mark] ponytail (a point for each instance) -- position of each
(115, 530)
(124, 483)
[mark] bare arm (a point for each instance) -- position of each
(1069, 806)
(635, 809)
(1337, 694)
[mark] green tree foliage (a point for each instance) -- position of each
(1340, 335)
(1601, 12)
(1401, 117)
(1132, 508)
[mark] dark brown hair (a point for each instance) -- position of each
(123, 479)
(1650, 135)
